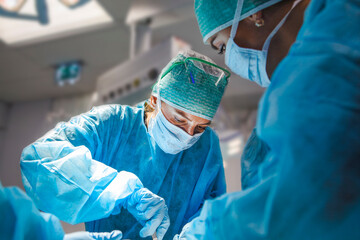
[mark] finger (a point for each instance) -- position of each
(147, 202)
(152, 210)
(151, 225)
(78, 236)
(137, 196)
(162, 229)
(116, 235)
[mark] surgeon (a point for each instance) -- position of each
(309, 117)
(254, 40)
(22, 220)
(144, 169)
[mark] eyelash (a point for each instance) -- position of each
(222, 49)
(201, 128)
(177, 120)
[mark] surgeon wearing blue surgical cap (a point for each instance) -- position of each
(141, 170)
(309, 118)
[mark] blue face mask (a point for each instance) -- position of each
(170, 138)
(247, 63)
(250, 63)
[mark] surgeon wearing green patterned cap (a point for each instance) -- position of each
(141, 170)
(185, 100)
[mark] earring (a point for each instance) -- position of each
(259, 22)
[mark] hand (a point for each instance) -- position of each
(150, 210)
(114, 235)
(195, 230)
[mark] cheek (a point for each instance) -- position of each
(220, 41)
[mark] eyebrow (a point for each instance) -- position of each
(183, 115)
(207, 124)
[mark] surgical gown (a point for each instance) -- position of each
(252, 158)
(310, 118)
(72, 171)
(20, 219)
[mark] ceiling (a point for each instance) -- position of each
(26, 72)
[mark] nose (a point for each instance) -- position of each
(190, 129)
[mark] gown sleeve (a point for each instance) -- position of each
(215, 174)
(20, 217)
(253, 156)
(62, 174)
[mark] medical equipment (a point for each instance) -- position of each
(130, 82)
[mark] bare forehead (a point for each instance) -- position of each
(222, 36)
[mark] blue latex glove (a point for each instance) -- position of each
(186, 234)
(150, 210)
(114, 235)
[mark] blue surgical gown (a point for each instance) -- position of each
(310, 118)
(20, 219)
(69, 172)
(252, 158)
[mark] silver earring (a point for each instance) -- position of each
(260, 22)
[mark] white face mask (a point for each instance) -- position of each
(250, 63)
(170, 138)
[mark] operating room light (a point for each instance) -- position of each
(63, 21)
(74, 3)
(12, 5)
(70, 2)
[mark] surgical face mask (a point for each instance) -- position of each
(250, 63)
(170, 138)
(247, 63)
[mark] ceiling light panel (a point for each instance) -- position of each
(63, 21)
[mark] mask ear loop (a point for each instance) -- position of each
(280, 24)
(236, 18)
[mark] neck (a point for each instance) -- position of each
(286, 36)
(272, 17)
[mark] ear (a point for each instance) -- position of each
(153, 101)
(256, 17)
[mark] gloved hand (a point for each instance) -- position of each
(193, 230)
(150, 210)
(114, 235)
(198, 228)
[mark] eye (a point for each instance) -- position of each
(222, 49)
(177, 119)
(200, 129)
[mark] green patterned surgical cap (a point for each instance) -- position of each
(194, 87)
(216, 15)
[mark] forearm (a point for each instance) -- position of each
(67, 182)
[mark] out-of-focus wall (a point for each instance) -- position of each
(26, 122)
(3, 121)
(233, 128)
